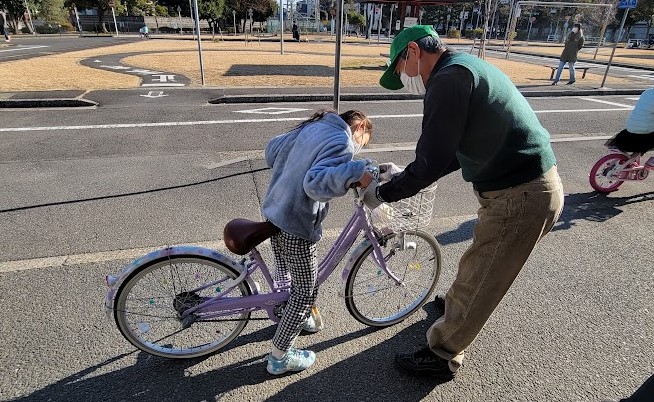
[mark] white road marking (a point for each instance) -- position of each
(605, 102)
(163, 85)
(154, 94)
(237, 121)
(643, 77)
(23, 48)
(633, 98)
(272, 110)
(584, 110)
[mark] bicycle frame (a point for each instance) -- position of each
(219, 306)
(625, 171)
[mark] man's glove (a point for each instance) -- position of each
(388, 170)
(370, 198)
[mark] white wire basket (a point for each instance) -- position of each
(411, 213)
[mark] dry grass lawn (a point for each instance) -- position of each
(232, 64)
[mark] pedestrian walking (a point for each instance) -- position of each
(311, 164)
(4, 26)
(573, 43)
(476, 120)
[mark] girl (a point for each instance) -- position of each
(639, 134)
(311, 164)
(573, 43)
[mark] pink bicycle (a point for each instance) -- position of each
(613, 169)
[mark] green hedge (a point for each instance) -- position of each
(454, 33)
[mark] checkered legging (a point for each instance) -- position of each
(294, 257)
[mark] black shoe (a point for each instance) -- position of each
(555, 82)
(424, 363)
(570, 82)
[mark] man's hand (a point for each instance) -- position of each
(370, 195)
(388, 170)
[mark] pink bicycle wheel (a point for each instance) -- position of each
(599, 179)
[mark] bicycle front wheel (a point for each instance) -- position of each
(150, 303)
(375, 299)
(599, 177)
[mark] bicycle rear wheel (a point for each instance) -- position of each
(375, 299)
(150, 302)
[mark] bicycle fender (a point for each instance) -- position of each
(115, 281)
(354, 257)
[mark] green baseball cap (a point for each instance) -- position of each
(389, 79)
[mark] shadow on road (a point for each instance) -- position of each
(595, 207)
(592, 207)
(368, 375)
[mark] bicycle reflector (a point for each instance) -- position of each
(110, 280)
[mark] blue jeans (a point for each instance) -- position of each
(571, 66)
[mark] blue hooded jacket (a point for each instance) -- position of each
(310, 165)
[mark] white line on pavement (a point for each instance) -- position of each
(23, 48)
(235, 121)
(642, 77)
(606, 102)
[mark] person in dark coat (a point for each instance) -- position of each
(573, 43)
(296, 32)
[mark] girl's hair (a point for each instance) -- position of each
(351, 117)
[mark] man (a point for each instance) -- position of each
(4, 27)
(475, 120)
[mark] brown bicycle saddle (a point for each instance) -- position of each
(242, 235)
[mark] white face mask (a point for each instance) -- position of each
(413, 84)
(575, 30)
(357, 147)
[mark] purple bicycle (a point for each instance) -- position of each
(187, 301)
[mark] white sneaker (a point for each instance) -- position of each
(314, 323)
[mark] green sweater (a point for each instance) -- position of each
(504, 143)
(475, 119)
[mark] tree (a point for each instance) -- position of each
(211, 10)
(101, 5)
(261, 9)
(644, 11)
(356, 19)
(52, 11)
(15, 9)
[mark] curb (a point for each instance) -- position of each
(235, 99)
(36, 103)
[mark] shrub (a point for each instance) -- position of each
(454, 33)
(66, 26)
(474, 33)
(25, 30)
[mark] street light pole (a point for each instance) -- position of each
(615, 44)
(337, 62)
(281, 26)
(197, 28)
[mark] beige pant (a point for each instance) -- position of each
(511, 222)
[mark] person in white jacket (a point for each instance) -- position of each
(638, 136)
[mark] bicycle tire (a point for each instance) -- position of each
(413, 261)
(147, 323)
(599, 171)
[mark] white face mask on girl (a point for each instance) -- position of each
(575, 29)
(413, 84)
